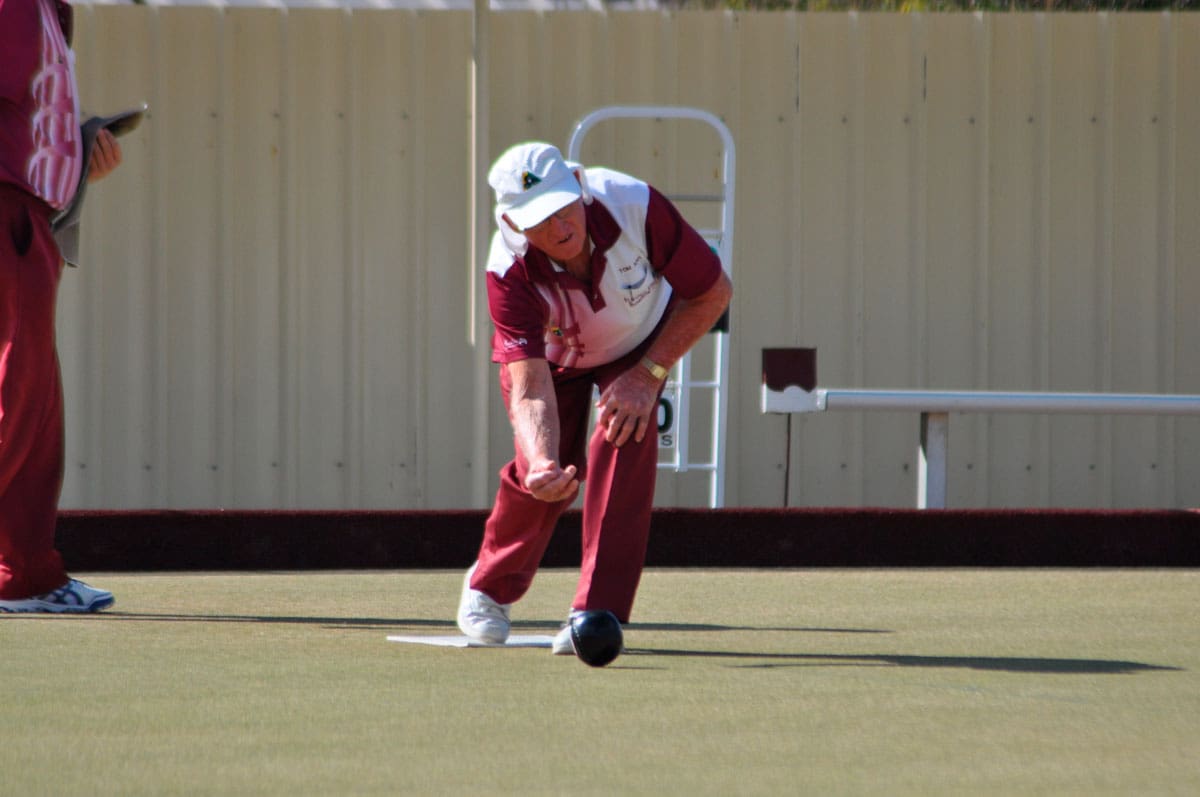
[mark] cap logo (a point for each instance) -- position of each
(529, 180)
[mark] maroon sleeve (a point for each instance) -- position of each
(677, 251)
(518, 316)
(20, 42)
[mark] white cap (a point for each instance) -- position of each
(532, 181)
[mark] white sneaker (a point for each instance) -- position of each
(480, 617)
(74, 597)
(562, 644)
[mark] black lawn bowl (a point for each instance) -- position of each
(596, 636)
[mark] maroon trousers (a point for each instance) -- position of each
(617, 499)
(31, 403)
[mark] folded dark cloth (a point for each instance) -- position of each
(66, 224)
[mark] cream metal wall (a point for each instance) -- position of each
(273, 307)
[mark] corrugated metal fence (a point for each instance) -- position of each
(274, 304)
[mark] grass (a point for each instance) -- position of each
(735, 682)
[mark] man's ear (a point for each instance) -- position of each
(583, 188)
(509, 222)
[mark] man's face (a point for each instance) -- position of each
(561, 236)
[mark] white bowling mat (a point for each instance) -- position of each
(460, 641)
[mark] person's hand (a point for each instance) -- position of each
(106, 156)
(546, 481)
(627, 405)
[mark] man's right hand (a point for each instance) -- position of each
(106, 156)
(546, 481)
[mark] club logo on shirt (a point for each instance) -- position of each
(636, 280)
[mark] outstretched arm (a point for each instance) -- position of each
(533, 408)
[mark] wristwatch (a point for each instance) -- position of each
(656, 370)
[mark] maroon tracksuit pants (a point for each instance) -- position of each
(617, 498)
(31, 404)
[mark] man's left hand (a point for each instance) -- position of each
(627, 405)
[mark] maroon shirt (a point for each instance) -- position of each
(40, 144)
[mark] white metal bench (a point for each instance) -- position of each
(783, 393)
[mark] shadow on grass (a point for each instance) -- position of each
(709, 627)
(409, 622)
(328, 622)
(995, 663)
(761, 660)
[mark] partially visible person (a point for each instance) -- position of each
(41, 160)
(595, 281)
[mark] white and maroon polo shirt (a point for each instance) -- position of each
(40, 143)
(643, 253)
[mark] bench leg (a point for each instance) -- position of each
(931, 460)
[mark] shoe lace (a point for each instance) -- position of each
(486, 607)
(65, 594)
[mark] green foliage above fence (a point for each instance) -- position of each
(905, 6)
